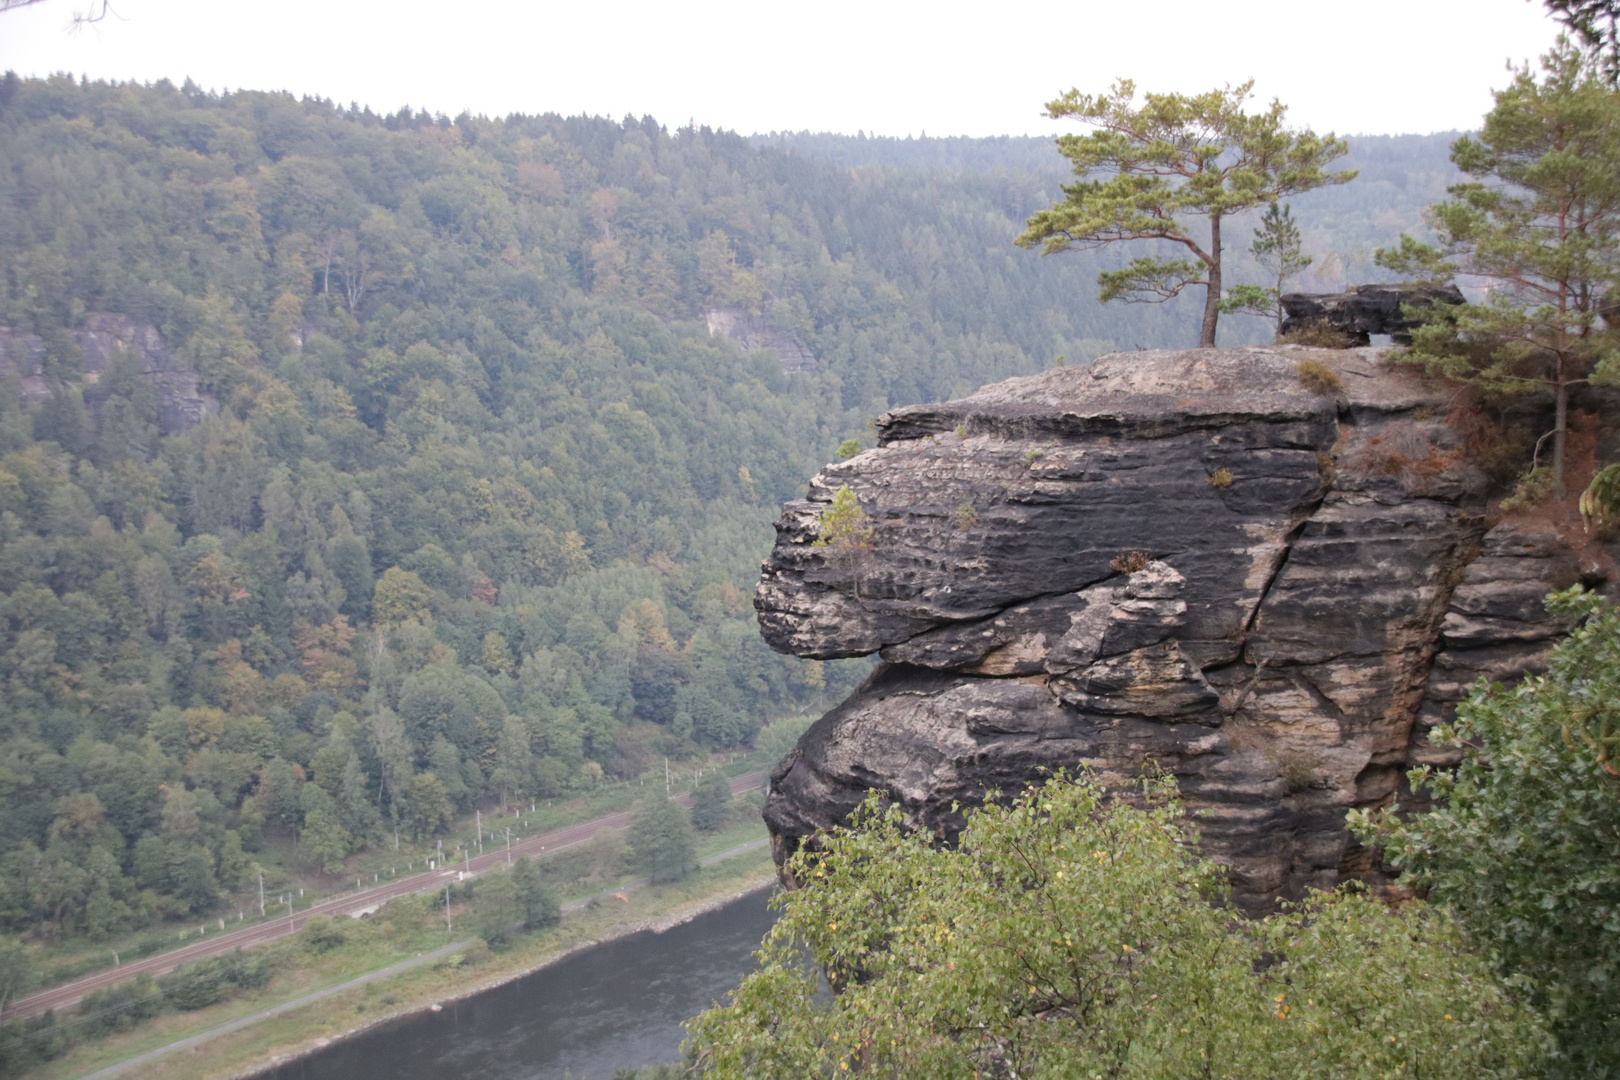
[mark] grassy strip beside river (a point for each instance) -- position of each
(400, 932)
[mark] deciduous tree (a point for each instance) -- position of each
(1525, 840)
(1073, 935)
(660, 836)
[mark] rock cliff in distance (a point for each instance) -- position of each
(1199, 561)
(102, 337)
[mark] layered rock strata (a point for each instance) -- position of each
(1179, 560)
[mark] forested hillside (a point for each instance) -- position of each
(479, 504)
(1341, 225)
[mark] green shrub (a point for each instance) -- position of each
(323, 934)
(1071, 934)
(194, 986)
(1524, 843)
(1534, 488)
(120, 1006)
(247, 970)
(710, 802)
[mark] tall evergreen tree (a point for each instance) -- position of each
(1539, 223)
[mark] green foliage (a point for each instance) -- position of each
(660, 839)
(120, 1006)
(537, 901)
(496, 912)
(710, 802)
(1539, 221)
(1174, 156)
(847, 534)
(194, 986)
(1532, 489)
(16, 971)
(1524, 843)
(1597, 24)
(323, 934)
(1074, 935)
(475, 517)
(848, 449)
(1600, 502)
(1278, 249)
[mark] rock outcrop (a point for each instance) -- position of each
(752, 332)
(102, 337)
(1364, 310)
(1183, 560)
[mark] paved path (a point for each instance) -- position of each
(383, 973)
(362, 900)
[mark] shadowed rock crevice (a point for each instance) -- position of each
(1185, 561)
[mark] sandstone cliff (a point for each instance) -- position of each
(101, 337)
(1313, 586)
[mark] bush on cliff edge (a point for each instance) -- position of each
(1524, 843)
(1071, 934)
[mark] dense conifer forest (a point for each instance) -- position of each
(478, 499)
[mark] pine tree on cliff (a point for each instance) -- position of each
(1538, 224)
(1597, 24)
(1165, 160)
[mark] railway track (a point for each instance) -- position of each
(361, 901)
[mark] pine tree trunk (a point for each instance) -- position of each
(1212, 294)
(1560, 431)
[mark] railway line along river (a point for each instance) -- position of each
(619, 1004)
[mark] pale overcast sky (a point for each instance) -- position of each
(892, 68)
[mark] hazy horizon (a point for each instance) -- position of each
(894, 70)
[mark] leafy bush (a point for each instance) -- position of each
(710, 802)
(1524, 843)
(194, 986)
(1070, 934)
(323, 934)
(1534, 488)
(247, 970)
(120, 1006)
(660, 835)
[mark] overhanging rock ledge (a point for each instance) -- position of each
(1274, 649)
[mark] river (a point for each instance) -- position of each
(616, 1005)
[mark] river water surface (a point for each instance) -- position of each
(616, 1005)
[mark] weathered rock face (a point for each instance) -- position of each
(102, 337)
(1271, 643)
(1364, 310)
(751, 332)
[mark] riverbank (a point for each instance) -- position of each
(249, 1037)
